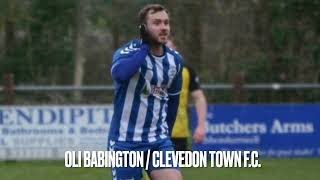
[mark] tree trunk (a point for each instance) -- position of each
(116, 7)
(9, 28)
(79, 53)
(192, 37)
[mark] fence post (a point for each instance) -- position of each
(8, 87)
(239, 94)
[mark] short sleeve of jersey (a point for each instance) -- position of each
(194, 80)
(176, 85)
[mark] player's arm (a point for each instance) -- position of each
(174, 97)
(127, 61)
(200, 104)
(201, 108)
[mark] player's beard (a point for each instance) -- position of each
(155, 39)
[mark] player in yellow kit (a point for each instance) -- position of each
(190, 86)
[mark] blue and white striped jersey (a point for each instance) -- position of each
(140, 103)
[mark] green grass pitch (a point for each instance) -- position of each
(272, 169)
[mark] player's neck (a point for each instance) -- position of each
(157, 49)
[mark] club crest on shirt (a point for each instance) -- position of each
(159, 92)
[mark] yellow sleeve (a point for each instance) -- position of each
(181, 126)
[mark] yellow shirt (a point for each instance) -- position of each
(189, 83)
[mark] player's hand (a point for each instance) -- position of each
(199, 134)
(144, 35)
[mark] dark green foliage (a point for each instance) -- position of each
(47, 45)
(267, 41)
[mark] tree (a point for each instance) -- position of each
(79, 56)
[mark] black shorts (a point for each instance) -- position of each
(180, 144)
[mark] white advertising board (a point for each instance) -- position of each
(46, 132)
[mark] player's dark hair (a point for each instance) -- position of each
(152, 8)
